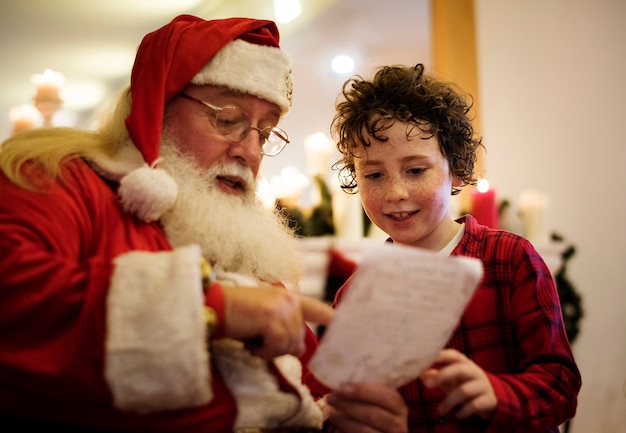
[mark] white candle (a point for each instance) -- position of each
(24, 117)
(347, 214)
(534, 212)
(48, 85)
(318, 148)
(288, 186)
(265, 193)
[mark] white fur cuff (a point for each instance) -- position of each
(156, 356)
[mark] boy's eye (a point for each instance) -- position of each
(416, 170)
(373, 176)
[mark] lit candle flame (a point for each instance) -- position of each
(482, 185)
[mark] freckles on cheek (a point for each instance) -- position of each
(371, 198)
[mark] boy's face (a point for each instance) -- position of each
(405, 186)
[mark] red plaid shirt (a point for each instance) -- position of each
(512, 328)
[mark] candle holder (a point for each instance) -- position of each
(47, 108)
(24, 117)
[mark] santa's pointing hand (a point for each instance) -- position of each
(270, 319)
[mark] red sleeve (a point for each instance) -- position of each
(53, 292)
(543, 392)
(513, 329)
(317, 389)
(214, 298)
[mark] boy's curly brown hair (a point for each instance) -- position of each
(404, 94)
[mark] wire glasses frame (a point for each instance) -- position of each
(234, 124)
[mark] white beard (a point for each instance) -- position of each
(236, 233)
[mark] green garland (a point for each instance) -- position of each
(319, 223)
(571, 302)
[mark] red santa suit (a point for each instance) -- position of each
(74, 324)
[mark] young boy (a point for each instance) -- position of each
(407, 145)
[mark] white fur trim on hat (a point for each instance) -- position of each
(155, 350)
(259, 70)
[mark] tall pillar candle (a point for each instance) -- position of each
(351, 224)
(533, 209)
(347, 214)
(318, 148)
(484, 207)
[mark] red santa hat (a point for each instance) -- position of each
(240, 53)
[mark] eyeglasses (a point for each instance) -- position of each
(234, 125)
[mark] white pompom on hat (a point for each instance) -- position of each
(239, 53)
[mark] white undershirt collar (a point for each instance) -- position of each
(445, 251)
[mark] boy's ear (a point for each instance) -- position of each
(457, 182)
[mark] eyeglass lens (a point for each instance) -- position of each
(235, 125)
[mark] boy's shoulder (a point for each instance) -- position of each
(485, 242)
